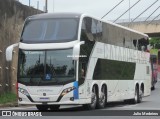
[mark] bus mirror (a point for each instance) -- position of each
(9, 51)
(76, 50)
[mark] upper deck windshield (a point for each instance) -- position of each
(49, 67)
(50, 30)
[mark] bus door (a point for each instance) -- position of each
(81, 80)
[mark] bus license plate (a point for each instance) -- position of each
(44, 99)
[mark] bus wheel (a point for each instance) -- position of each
(102, 98)
(136, 96)
(94, 98)
(54, 107)
(42, 107)
(140, 95)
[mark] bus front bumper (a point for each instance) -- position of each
(75, 102)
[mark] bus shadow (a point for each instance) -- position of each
(82, 109)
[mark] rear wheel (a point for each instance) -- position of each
(140, 95)
(42, 107)
(94, 98)
(137, 97)
(102, 99)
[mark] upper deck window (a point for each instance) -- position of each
(50, 30)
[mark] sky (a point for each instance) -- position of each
(98, 8)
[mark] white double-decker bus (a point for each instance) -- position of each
(72, 58)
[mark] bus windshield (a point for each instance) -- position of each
(50, 30)
(50, 67)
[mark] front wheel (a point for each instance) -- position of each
(94, 98)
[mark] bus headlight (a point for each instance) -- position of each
(23, 91)
(67, 90)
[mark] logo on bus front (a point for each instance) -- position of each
(48, 76)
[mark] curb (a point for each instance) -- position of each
(11, 104)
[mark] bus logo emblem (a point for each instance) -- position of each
(48, 76)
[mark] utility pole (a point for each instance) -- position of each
(29, 3)
(53, 5)
(129, 11)
(37, 5)
(46, 6)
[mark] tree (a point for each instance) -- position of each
(155, 42)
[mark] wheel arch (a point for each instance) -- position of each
(96, 86)
(106, 89)
(137, 85)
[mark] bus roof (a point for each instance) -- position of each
(56, 15)
(78, 15)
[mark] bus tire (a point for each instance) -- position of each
(94, 99)
(42, 107)
(136, 96)
(54, 107)
(103, 98)
(140, 95)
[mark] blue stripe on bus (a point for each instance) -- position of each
(75, 92)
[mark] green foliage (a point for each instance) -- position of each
(7, 97)
(155, 42)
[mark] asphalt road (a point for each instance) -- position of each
(149, 104)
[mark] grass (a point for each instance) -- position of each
(7, 97)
